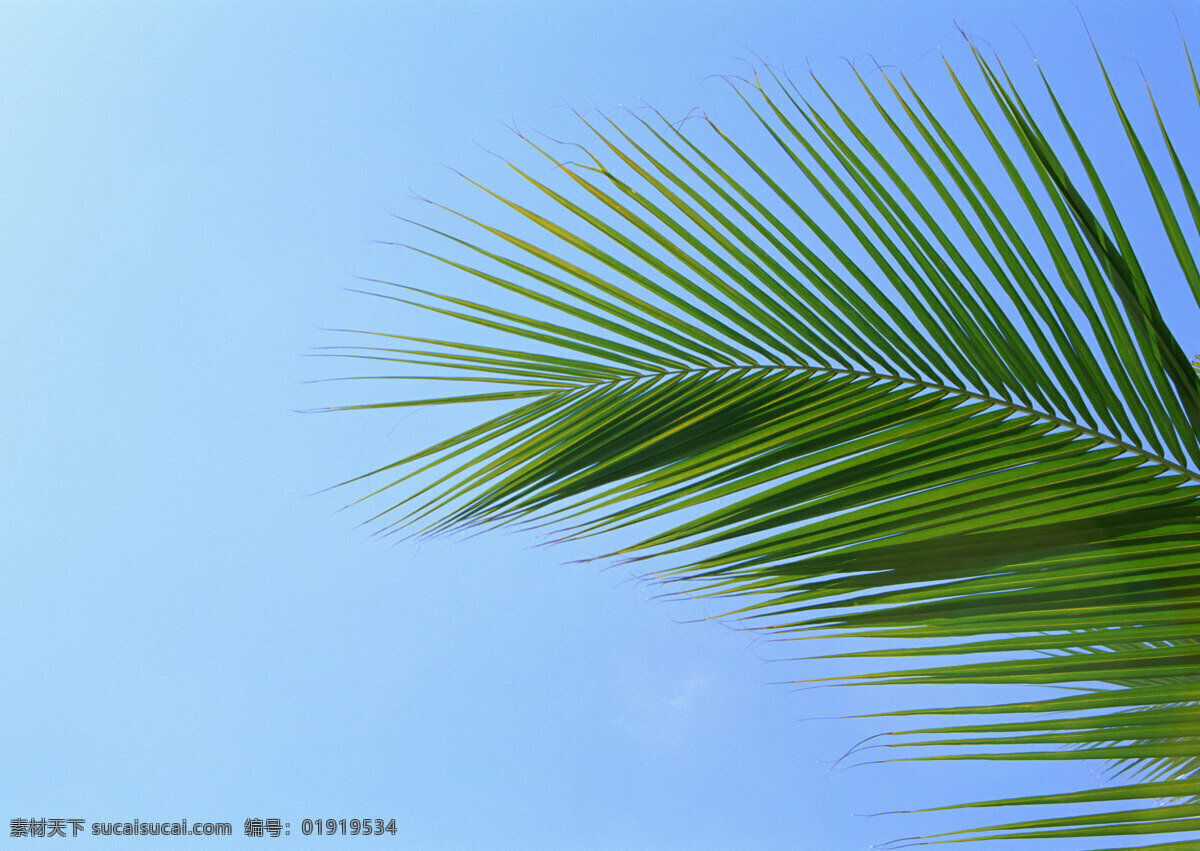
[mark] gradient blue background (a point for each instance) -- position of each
(186, 632)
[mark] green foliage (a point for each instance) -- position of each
(863, 391)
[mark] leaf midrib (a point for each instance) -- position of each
(1133, 449)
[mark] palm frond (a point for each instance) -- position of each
(905, 387)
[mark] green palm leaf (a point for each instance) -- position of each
(858, 388)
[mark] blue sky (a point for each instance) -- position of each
(187, 630)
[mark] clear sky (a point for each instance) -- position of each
(186, 631)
